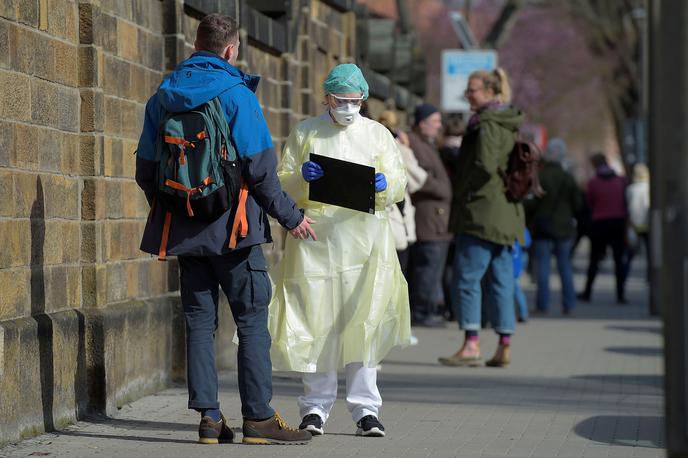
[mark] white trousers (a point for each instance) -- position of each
(320, 392)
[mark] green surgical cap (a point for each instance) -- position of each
(345, 78)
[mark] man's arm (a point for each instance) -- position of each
(253, 143)
(145, 153)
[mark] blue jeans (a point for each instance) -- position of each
(519, 295)
(520, 300)
(544, 248)
(243, 277)
(474, 259)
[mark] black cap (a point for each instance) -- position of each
(424, 111)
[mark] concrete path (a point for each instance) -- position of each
(587, 385)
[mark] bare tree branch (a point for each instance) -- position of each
(503, 23)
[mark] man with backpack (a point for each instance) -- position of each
(206, 163)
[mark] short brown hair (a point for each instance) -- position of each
(215, 32)
(598, 159)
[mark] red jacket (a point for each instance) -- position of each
(607, 195)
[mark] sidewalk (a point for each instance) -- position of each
(588, 385)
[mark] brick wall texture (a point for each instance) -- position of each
(74, 287)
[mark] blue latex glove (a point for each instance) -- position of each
(311, 171)
(380, 182)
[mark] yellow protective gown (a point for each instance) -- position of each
(343, 298)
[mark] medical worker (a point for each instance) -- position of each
(341, 301)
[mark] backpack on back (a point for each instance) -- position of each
(198, 175)
(521, 176)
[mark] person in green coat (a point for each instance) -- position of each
(486, 224)
(551, 218)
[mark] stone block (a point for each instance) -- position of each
(128, 157)
(155, 55)
(68, 109)
(50, 150)
(25, 154)
(91, 241)
(90, 154)
(16, 292)
(123, 9)
(66, 64)
(112, 153)
(6, 142)
(132, 119)
(88, 18)
(68, 250)
(128, 41)
(62, 287)
(15, 104)
(6, 43)
(135, 203)
(121, 240)
(32, 53)
(107, 35)
(90, 68)
(15, 239)
(61, 197)
(70, 160)
(113, 203)
(116, 290)
(27, 12)
(62, 18)
(28, 192)
(93, 284)
(94, 199)
(133, 279)
(113, 116)
(7, 188)
(44, 103)
(8, 9)
(113, 82)
(91, 109)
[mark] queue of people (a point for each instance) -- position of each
(349, 284)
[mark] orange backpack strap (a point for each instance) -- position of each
(162, 255)
(240, 225)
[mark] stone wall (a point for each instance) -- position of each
(87, 322)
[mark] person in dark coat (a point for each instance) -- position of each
(607, 199)
(206, 262)
(551, 218)
(432, 202)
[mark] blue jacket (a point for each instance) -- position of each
(195, 81)
(518, 255)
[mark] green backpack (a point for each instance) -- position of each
(198, 174)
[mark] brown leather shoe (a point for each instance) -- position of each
(274, 430)
(214, 432)
(458, 359)
(502, 357)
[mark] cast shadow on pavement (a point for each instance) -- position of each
(636, 351)
(128, 438)
(655, 381)
(648, 329)
(632, 431)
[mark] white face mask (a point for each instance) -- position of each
(345, 115)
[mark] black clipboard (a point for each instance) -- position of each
(345, 184)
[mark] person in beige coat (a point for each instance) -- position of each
(402, 216)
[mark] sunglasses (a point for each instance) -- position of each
(342, 101)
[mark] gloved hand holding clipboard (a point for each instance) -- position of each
(345, 184)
